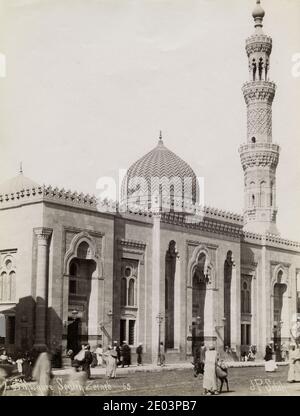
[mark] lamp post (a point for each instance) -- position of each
(159, 320)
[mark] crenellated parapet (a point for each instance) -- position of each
(270, 240)
(48, 194)
(69, 197)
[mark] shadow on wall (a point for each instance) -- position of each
(20, 330)
(247, 255)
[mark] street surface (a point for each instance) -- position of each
(250, 381)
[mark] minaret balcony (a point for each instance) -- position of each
(259, 155)
(260, 147)
(259, 91)
(259, 43)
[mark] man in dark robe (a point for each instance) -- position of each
(117, 348)
(87, 361)
(139, 352)
(126, 354)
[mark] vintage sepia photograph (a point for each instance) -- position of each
(149, 200)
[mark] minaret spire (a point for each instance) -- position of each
(258, 15)
(259, 156)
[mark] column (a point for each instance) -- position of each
(254, 308)
(93, 324)
(155, 285)
(43, 237)
(209, 315)
(263, 307)
(189, 318)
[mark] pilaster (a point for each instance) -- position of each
(43, 238)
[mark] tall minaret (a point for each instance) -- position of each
(259, 156)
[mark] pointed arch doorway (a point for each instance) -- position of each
(82, 295)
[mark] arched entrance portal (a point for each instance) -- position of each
(81, 272)
(198, 296)
(279, 306)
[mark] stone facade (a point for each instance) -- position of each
(74, 269)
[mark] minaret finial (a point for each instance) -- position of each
(21, 168)
(258, 15)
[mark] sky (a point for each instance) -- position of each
(90, 83)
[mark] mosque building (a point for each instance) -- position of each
(159, 267)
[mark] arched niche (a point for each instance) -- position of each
(280, 308)
(83, 246)
(208, 269)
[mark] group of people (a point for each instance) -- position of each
(250, 354)
(24, 362)
(115, 355)
(292, 354)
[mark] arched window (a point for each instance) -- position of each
(172, 198)
(271, 194)
(127, 271)
(128, 284)
(279, 276)
(254, 68)
(8, 281)
(160, 197)
(260, 68)
(83, 250)
(11, 286)
(262, 193)
(246, 297)
(123, 291)
(131, 292)
(8, 264)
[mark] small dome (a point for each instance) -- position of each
(16, 184)
(258, 11)
(160, 173)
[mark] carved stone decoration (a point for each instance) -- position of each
(259, 159)
(259, 91)
(92, 252)
(259, 121)
(204, 271)
(172, 251)
(259, 43)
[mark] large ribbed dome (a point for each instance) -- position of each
(160, 172)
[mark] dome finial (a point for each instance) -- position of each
(21, 168)
(258, 14)
(160, 141)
